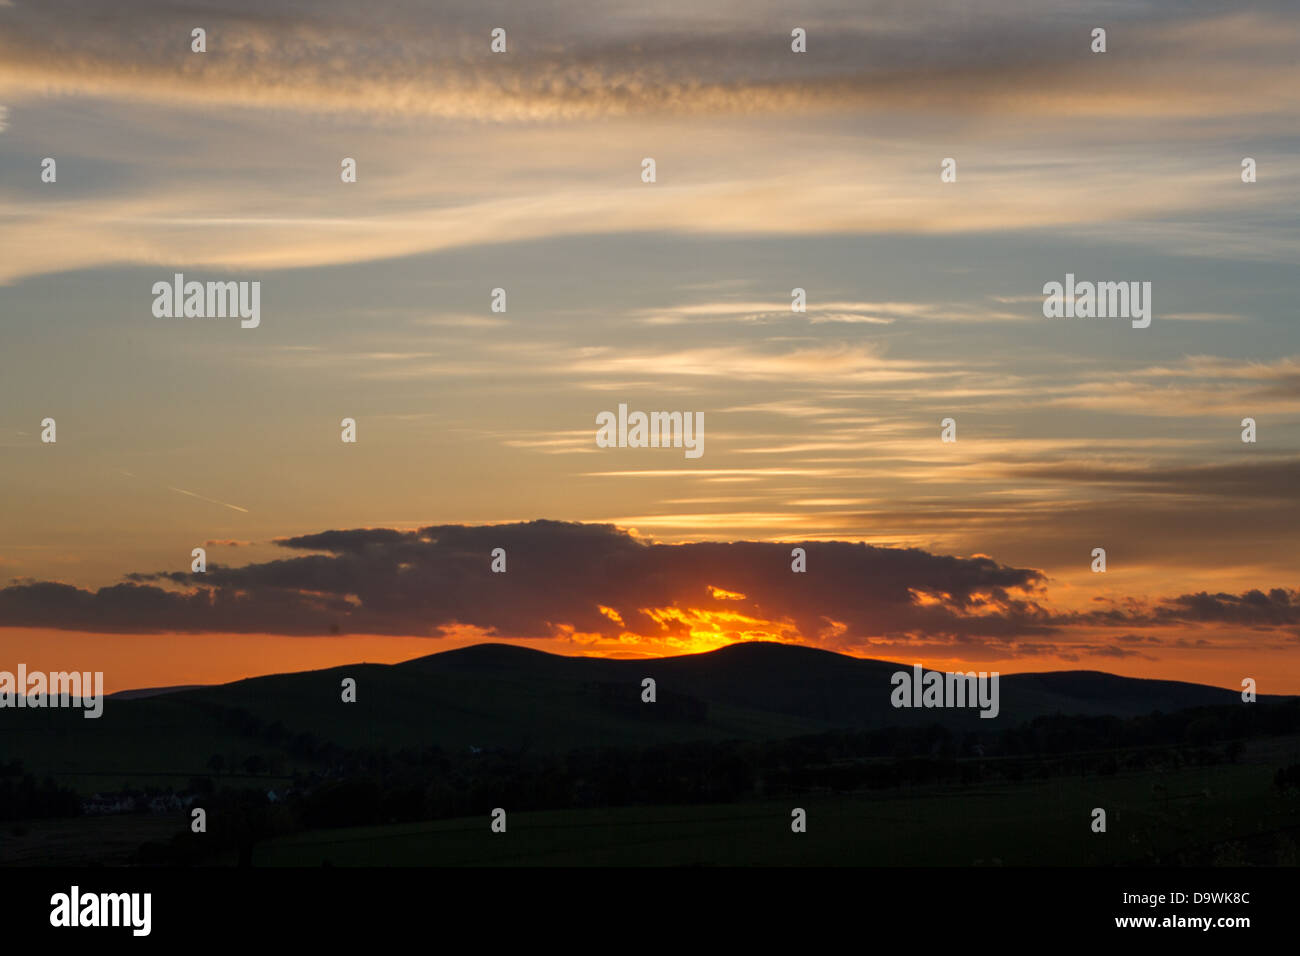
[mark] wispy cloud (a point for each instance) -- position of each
(412, 62)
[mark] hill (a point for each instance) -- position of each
(503, 698)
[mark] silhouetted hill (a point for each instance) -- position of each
(503, 698)
(141, 692)
(827, 688)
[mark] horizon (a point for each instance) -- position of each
(944, 612)
(701, 653)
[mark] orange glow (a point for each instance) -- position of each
(692, 630)
(159, 660)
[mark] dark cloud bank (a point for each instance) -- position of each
(560, 575)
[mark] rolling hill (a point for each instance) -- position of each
(499, 697)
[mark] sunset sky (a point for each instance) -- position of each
(476, 429)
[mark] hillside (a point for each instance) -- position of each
(504, 698)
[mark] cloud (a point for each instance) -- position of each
(409, 61)
(597, 584)
(562, 578)
(1195, 387)
(1250, 481)
(1278, 607)
(848, 313)
(234, 152)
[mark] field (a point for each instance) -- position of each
(1224, 814)
(1227, 814)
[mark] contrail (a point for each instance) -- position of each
(224, 504)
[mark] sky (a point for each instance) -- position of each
(476, 429)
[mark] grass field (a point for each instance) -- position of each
(1227, 814)
(79, 841)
